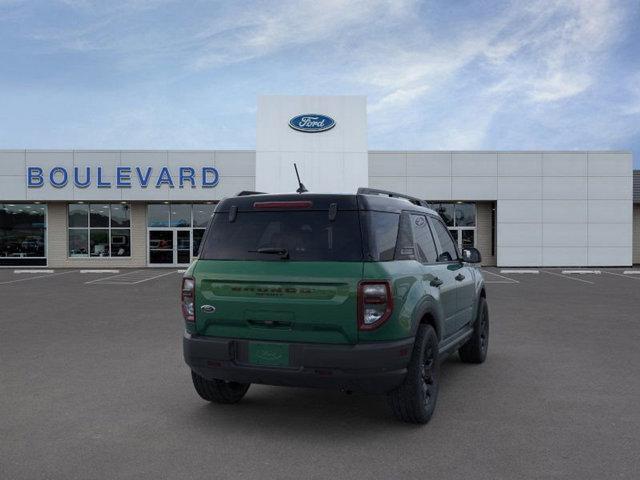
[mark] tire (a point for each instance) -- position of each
(415, 400)
(219, 391)
(475, 349)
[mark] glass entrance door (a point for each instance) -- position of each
(464, 237)
(183, 247)
(169, 247)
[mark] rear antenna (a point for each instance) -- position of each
(301, 188)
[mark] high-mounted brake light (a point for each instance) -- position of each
(375, 304)
(187, 299)
(284, 204)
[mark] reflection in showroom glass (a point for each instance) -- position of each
(22, 230)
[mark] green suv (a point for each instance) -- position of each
(362, 292)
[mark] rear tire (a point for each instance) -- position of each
(475, 350)
(415, 400)
(219, 391)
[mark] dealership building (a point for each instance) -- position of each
(139, 208)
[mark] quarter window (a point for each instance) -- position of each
(405, 247)
(99, 230)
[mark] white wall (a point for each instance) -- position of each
(236, 169)
(331, 161)
(553, 208)
(571, 209)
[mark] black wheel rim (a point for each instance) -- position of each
(428, 373)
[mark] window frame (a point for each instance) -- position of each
(108, 228)
(192, 228)
(45, 237)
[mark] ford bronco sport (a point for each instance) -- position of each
(362, 292)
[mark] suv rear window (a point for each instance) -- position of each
(306, 236)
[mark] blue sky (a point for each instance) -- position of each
(438, 75)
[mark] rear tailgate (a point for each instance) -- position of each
(290, 301)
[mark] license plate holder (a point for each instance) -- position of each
(269, 354)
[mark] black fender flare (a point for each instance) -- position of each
(428, 307)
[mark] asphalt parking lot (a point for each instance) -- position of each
(93, 385)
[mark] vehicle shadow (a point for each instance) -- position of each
(310, 412)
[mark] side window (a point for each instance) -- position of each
(447, 251)
(426, 248)
(382, 235)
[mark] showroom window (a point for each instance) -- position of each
(23, 228)
(460, 219)
(99, 230)
(175, 230)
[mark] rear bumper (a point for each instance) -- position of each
(372, 368)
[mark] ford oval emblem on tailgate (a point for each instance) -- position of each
(208, 308)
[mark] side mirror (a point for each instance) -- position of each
(471, 255)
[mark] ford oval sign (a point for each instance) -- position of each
(312, 123)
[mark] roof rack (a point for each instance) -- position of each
(375, 191)
(244, 193)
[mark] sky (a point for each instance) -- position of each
(455, 75)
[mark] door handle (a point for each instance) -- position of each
(459, 277)
(436, 282)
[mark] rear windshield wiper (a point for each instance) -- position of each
(283, 252)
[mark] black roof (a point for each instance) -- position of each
(322, 201)
(636, 186)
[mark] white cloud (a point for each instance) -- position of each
(533, 53)
(436, 76)
(559, 86)
(255, 33)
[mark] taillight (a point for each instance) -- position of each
(375, 304)
(187, 299)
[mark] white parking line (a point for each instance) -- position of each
(39, 276)
(631, 272)
(511, 280)
(99, 271)
(623, 276)
(581, 272)
(105, 278)
(129, 278)
(33, 271)
(520, 271)
(157, 276)
(567, 277)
